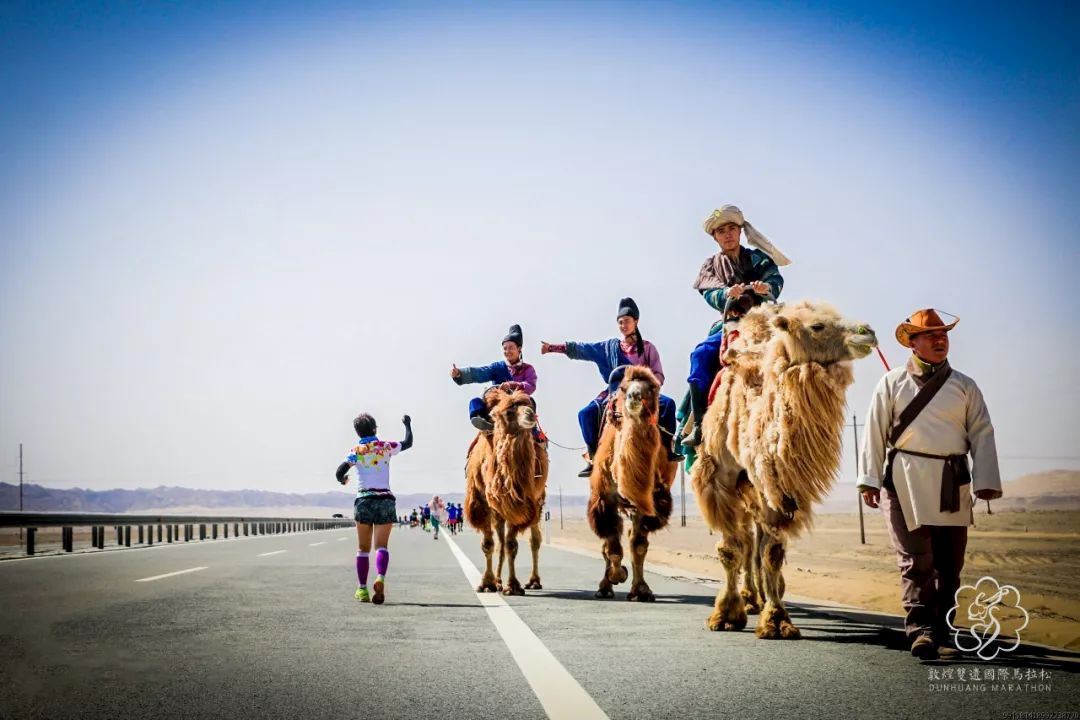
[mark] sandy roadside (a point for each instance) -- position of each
(1039, 553)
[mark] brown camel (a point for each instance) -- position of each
(631, 475)
(505, 484)
(771, 448)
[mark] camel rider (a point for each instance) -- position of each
(630, 349)
(924, 420)
(746, 277)
(509, 375)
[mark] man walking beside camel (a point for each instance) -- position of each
(924, 420)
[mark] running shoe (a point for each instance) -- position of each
(379, 587)
(363, 595)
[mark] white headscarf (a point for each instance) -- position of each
(732, 214)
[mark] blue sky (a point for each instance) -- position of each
(226, 230)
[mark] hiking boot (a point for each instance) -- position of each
(924, 648)
(482, 423)
(586, 471)
(694, 438)
(379, 587)
(362, 594)
(699, 403)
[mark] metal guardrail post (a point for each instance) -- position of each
(215, 532)
(159, 532)
(150, 534)
(101, 537)
(30, 536)
(127, 535)
(67, 538)
(142, 535)
(169, 528)
(202, 531)
(119, 535)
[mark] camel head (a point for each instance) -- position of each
(638, 396)
(815, 332)
(513, 413)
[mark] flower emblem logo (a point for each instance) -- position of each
(987, 608)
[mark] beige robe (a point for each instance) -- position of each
(955, 422)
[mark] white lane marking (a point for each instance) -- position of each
(556, 689)
(318, 543)
(272, 552)
(178, 572)
(340, 539)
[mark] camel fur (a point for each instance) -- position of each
(770, 451)
(631, 476)
(505, 486)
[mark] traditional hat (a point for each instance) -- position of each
(627, 306)
(922, 321)
(731, 214)
(515, 336)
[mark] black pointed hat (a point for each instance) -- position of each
(627, 306)
(515, 336)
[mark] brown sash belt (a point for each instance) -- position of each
(954, 474)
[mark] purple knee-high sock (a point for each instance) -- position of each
(362, 568)
(382, 561)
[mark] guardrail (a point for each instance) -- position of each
(168, 527)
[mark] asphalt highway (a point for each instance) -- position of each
(267, 627)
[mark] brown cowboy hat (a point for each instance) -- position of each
(922, 321)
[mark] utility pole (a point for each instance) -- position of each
(682, 491)
(20, 491)
(858, 494)
(561, 527)
(20, 478)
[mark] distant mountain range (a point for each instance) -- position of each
(1051, 490)
(43, 499)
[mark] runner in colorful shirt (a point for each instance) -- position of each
(374, 508)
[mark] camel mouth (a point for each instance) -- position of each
(527, 418)
(633, 407)
(862, 345)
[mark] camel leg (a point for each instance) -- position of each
(534, 544)
(614, 571)
(639, 547)
(500, 532)
(487, 584)
(513, 585)
(751, 593)
(775, 622)
(729, 611)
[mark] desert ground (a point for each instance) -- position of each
(1038, 552)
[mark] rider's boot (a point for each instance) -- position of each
(699, 401)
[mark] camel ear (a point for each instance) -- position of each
(782, 323)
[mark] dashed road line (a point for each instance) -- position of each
(318, 543)
(556, 689)
(178, 572)
(272, 552)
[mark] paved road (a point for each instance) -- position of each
(267, 627)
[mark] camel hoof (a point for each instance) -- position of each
(604, 594)
(751, 603)
(778, 629)
(619, 577)
(534, 585)
(789, 632)
(513, 589)
(485, 587)
(645, 595)
(718, 623)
